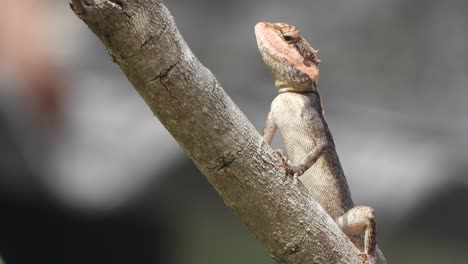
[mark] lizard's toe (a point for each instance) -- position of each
(294, 179)
(366, 258)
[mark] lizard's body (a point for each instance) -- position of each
(324, 179)
(298, 115)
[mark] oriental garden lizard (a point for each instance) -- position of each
(297, 114)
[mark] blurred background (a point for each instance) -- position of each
(88, 175)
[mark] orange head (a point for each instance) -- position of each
(291, 59)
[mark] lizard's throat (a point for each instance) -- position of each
(285, 85)
(291, 76)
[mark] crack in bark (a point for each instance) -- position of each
(294, 249)
(151, 39)
(164, 75)
(85, 2)
(140, 49)
(227, 162)
(128, 16)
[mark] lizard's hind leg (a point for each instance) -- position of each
(358, 220)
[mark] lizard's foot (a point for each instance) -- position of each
(364, 257)
(290, 170)
(361, 220)
(295, 179)
(367, 258)
(285, 163)
(281, 155)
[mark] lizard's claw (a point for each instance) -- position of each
(295, 178)
(289, 169)
(285, 163)
(366, 259)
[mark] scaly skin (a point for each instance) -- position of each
(298, 115)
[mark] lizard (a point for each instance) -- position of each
(297, 113)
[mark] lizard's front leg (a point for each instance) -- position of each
(270, 129)
(268, 133)
(297, 170)
(307, 162)
(358, 220)
(311, 158)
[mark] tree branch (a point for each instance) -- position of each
(142, 38)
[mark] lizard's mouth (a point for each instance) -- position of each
(260, 26)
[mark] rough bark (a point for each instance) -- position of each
(142, 38)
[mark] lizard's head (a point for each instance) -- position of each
(291, 59)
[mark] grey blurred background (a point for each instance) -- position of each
(87, 174)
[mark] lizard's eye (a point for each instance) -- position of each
(288, 39)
